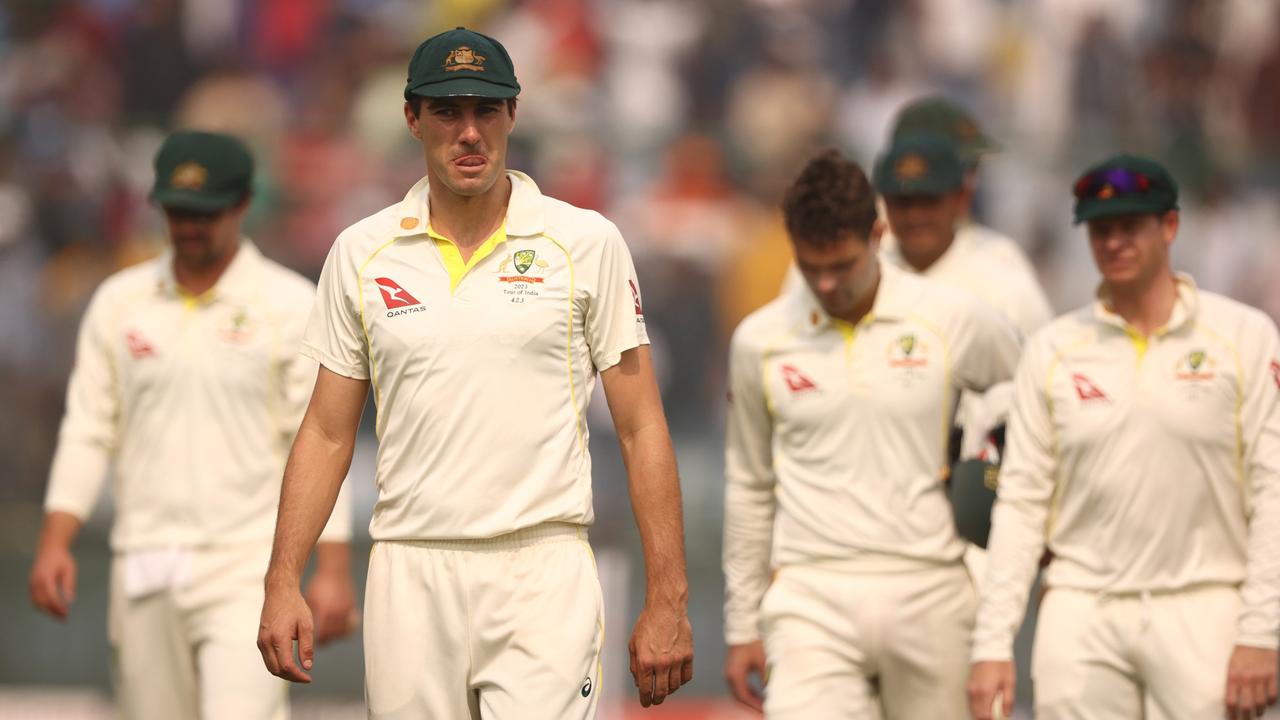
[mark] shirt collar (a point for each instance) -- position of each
(235, 283)
(525, 215)
(1184, 308)
(892, 302)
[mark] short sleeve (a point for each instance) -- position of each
(334, 336)
(615, 314)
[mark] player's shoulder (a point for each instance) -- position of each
(768, 325)
(129, 281)
(1074, 329)
(363, 237)
(1224, 315)
(934, 300)
(994, 251)
(573, 227)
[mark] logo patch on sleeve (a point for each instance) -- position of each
(1275, 372)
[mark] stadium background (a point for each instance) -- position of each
(680, 120)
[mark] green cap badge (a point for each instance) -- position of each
(202, 171)
(461, 62)
(919, 164)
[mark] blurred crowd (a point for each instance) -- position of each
(680, 120)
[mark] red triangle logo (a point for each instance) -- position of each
(796, 380)
(394, 296)
(1275, 372)
(1086, 389)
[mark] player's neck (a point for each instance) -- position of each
(198, 279)
(469, 220)
(920, 262)
(1147, 306)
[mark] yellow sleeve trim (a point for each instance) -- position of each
(453, 262)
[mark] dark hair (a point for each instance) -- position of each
(415, 104)
(831, 196)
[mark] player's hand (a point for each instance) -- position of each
(53, 580)
(661, 652)
(285, 619)
(741, 662)
(332, 600)
(1251, 681)
(989, 680)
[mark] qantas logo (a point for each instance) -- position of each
(394, 296)
(635, 295)
(797, 382)
(1086, 389)
(138, 346)
(397, 299)
(1275, 372)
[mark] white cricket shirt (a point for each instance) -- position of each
(481, 371)
(194, 400)
(837, 434)
(1146, 465)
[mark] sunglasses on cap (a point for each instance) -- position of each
(1109, 182)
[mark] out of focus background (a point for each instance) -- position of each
(681, 120)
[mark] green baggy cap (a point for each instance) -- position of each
(936, 114)
(1124, 185)
(461, 62)
(202, 171)
(923, 163)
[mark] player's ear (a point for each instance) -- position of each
(412, 121)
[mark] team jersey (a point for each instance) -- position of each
(193, 399)
(837, 434)
(1146, 465)
(481, 370)
(992, 267)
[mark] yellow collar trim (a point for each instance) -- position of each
(452, 256)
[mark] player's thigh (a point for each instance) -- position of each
(538, 632)
(925, 662)
(152, 663)
(1187, 647)
(1079, 669)
(234, 681)
(816, 667)
(415, 630)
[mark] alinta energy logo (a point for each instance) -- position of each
(397, 299)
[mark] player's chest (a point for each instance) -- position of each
(522, 297)
(1183, 390)
(878, 373)
(225, 344)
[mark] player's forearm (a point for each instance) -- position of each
(748, 534)
(312, 480)
(1017, 542)
(1259, 621)
(655, 500)
(59, 530)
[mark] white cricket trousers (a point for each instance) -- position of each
(1159, 656)
(191, 652)
(509, 628)
(831, 636)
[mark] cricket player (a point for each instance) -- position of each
(932, 233)
(843, 568)
(188, 385)
(1144, 451)
(480, 312)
